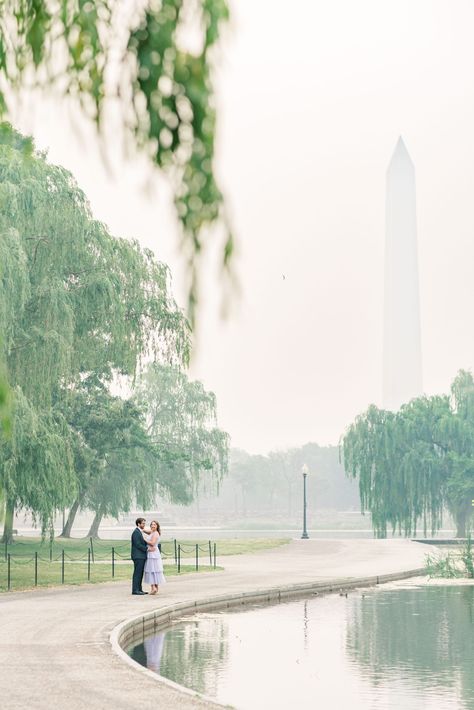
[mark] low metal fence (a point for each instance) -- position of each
(49, 566)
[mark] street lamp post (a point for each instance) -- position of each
(304, 471)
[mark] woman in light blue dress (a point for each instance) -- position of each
(154, 564)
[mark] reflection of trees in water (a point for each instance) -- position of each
(193, 652)
(426, 634)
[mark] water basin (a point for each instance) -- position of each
(376, 649)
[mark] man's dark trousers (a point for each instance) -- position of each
(139, 550)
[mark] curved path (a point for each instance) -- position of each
(55, 649)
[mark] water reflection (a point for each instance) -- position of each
(153, 651)
(375, 650)
(149, 652)
(424, 635)
(182, 653)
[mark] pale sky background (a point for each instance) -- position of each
(311, 103)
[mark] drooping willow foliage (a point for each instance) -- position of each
(73, 301)
(159, 442)
(181, 419)
(153, 61)
(37, 462)
(115, 460)
(5, 406)
(414, 463)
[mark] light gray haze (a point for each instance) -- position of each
(312, 99)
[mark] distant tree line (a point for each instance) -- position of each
(270, 486)
(83, 316)
(415, 463)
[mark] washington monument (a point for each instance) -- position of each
(402, 379)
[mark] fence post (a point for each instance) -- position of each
(175, 552)
(113, 562)
(88, 564)
(50, 550)
(179, 559)
(62, 567)
(36, 569)
(8, 572)
(6, 548)
(210, 554)
(197, 557)
(214, 555)
(92, 549)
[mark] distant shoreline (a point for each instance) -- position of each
(121, 532)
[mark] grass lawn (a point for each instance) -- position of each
(47, 568)
(22, 574)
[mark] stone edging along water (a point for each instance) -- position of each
(139, 627)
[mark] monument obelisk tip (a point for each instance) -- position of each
(400, 154)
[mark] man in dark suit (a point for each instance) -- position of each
(139, 550)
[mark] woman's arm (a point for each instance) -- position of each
(151, 541)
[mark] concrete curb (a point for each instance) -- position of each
(138, 627)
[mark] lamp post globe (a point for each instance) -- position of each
(304, 471)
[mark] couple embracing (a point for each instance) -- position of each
(146, 556)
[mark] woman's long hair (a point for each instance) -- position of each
(158, 529)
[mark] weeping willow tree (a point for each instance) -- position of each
(116, 462)
(106, 428)
(160, 443)
(181, 419)
(414, 463)
(74, 301)
(123, 460)
(152, 62)
(459, 434)
(5, 401)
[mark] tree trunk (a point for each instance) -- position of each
(8, 524)
(94, 528)
(70, 518)
(462, 517)
(462, 514)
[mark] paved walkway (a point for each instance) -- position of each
(54, 643)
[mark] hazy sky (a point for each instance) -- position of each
(312, 102)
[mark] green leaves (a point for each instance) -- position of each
(413, 463)
(135, 54)
(38, 22)
(181, 418)
(36, 463)
(114, 455)
(76, 305)
(5, 405)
